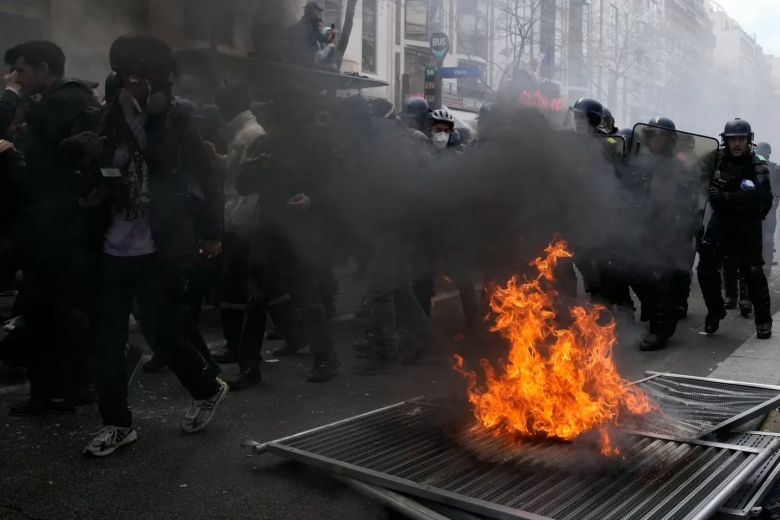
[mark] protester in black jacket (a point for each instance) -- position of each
(286, 249)
(56, 261)
(151, 156)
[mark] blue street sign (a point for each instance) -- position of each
(460, 72)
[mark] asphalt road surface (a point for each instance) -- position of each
(209, 476)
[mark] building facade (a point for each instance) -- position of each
(746, 80)
(686, 59)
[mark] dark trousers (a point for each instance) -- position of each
(617, 277)
(681, 288)
(396, 318)
(233, 288)
(433, 259)
(160, 296)
(734, 284)
(741, 241)
(656, 289)
(58, 334)
(284, 281)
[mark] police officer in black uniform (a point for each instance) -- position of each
(589, 120)
(668, 196)
(415, 113)
(741, 197)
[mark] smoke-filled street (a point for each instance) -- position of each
(354, 259)
(212, 476)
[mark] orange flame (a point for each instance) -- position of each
(557, 383)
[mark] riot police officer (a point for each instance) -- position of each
(415, 113)
(741, 197)
(589, 120)
(588, 116)
(681, 278)
(667, 195)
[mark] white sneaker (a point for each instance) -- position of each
(109, 439)
(200, 413)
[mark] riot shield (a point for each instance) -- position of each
(665, 182)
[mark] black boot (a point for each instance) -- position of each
(731, 303)
(652, 342)
(764, 330)
(712, 321)
(324, 369)
(156, 364)
(376, 364)
(249, 378)
(759, 294)
(365, 347)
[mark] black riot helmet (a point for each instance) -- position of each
(663, 122)
(660, 135)
(136, 56)
(764, 150)
(591, 108)
(415, 112)
(737, 128)
(608, 120)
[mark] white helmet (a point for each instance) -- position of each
(442, 115)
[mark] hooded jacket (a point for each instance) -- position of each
(240, 133)
(177, 160)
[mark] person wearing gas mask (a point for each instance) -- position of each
(151, 155)
(740, 194)
(56, 260)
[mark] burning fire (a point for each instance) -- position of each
(558, 382)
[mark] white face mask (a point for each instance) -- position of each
(440, 140)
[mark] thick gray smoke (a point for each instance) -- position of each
(494, 207)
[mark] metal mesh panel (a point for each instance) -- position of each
(451, 512)
(693, 408)
(760, 482)
(739, 506)
(430, 453)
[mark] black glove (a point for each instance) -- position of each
(718, 197)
